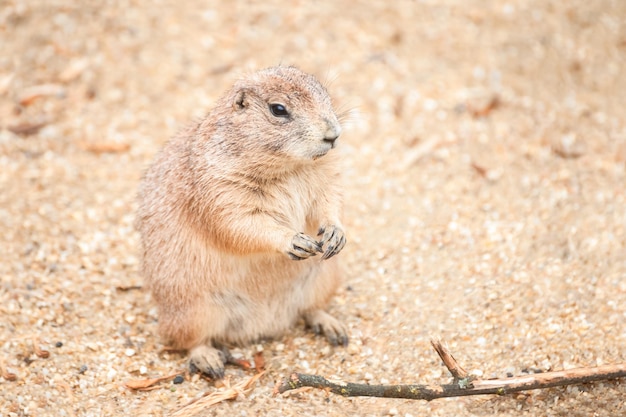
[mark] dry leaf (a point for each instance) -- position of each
(208, 399)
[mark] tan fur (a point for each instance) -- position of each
(225, 204)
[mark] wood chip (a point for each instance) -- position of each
(485, 109)
(26, 128)
(481, 170)
(148, 384)
(243, 363)
(259, 361)
(41, 353)
(4, 372)
(568, 146)
(419, 151)
(105, 147)
(73, 70)
(5, 83)
(30, 95)
(128, 287)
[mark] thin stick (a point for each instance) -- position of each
(455, 369)
(463, 387)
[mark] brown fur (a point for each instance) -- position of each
(228, 204)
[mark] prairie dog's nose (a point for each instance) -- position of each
(333, 130)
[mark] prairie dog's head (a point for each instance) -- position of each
(288, 113)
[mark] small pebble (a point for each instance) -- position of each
(82, 369)
(111, 374)
(58, 344)
(129, 352)
(353, 349)
(179, 379)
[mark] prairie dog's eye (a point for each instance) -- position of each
(279, 110)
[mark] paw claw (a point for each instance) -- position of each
(321, 322)
(334, 239)
(317, 329)
(303, 246)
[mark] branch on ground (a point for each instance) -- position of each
(463, 385)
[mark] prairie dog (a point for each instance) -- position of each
(239, 217)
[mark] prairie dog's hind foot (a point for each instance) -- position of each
(323, 323)
(208, 360)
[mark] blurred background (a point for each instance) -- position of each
(485, 182)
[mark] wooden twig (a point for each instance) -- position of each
(455, 369)
(465, 384)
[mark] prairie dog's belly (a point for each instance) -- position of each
(263, 297)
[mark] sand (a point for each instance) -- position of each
(485, 186)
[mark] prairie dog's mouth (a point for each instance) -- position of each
(323, 147)
(322, 152)
(318, 156)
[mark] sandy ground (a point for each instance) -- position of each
(485, 195)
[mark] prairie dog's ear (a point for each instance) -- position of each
(241, 100)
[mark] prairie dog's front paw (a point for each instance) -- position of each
(333, 240)
(303, 246)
